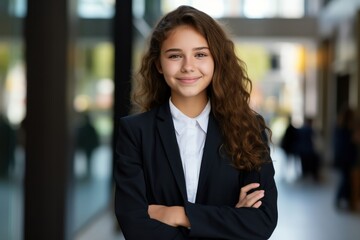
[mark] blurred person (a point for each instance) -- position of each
(7, 146)
(289, 141)
(195, 163)
(345, 155)
(87, 139)
(310, 159)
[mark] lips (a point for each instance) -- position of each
(188, 80)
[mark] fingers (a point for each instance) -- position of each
(251, 200)
(248, 198)
(250, 186)
(244, 190)
(257, 204)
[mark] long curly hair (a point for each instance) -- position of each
(245, 132)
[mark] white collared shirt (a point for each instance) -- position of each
(191, 135)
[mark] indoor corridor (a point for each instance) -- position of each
(68, 65)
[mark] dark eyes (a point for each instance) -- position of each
(199, 55)
(174, 56)
(177, 56)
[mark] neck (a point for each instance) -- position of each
(190, 107)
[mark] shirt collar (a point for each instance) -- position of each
(181, 120)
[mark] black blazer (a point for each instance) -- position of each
(148, 170)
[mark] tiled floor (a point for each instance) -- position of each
(305, 210)
(104, 228)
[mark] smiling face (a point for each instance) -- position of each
(187, 64)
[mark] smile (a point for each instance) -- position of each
(188, 80)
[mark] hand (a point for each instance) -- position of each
(251, 199)
(174, 216)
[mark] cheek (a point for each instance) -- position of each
(170, 68)
(207, 67)
(168, 74)
(170, 82)
(209, 73)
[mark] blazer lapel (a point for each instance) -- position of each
(210, 154)
(168, 138)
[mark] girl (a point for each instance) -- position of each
(195, 164)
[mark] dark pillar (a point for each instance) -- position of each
(123, 36)
(49, 60)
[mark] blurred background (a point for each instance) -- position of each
(65, 79)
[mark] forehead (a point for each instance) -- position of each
(184, 35)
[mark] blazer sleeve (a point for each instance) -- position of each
(131, 206)
(226, 222)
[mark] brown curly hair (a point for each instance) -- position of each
(243, 129)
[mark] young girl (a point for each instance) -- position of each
(195, 164)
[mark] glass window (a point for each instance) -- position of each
(243, 8)
(274, 8)
(291, 9)
(138, 8)
(12, 113)
(96, 8)
(93, 126)
(17, 8)
(277, 73)
(92, 104)
(215, 8)
(259, 8)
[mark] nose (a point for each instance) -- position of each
(188, 65)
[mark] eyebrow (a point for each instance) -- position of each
(179, 50)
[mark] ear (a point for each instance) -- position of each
(158, 67)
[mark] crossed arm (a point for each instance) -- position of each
(175, 216)
(254, 216)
